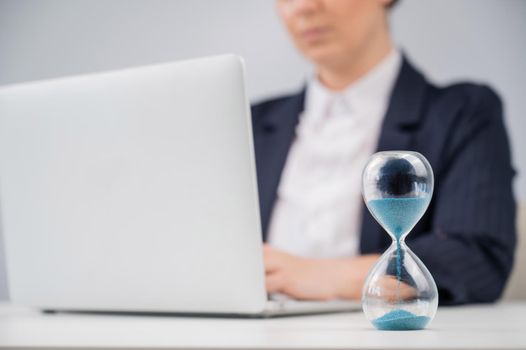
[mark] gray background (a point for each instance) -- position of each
(481, 40)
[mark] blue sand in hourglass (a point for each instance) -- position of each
(400, 320)
(399, 215)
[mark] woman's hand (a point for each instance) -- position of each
(315, 279)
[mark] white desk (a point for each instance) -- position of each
(501, 326)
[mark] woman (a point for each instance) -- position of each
(365, 97)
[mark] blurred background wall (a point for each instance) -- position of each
(450, 40)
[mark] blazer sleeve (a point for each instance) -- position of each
(470, 249)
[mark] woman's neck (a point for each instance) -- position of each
(338, 75)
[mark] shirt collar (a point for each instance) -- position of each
(369, 90)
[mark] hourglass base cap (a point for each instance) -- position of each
(400, 320)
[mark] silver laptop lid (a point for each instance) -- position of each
(132, 190)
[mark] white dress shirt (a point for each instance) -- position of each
(318, 207)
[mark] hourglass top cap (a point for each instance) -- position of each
(399, 153)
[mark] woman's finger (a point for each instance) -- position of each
(274, 282)
(272, 259)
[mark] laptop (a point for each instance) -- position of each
(135, 191)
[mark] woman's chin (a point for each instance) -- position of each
(324, 58)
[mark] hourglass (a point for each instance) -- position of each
(399, 292)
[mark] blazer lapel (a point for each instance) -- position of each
(398, 128)
(275, 136)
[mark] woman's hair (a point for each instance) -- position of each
(392, 4)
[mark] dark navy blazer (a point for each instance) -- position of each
(467, 237)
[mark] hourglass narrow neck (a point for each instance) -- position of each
(398, 242)
(398, 238)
